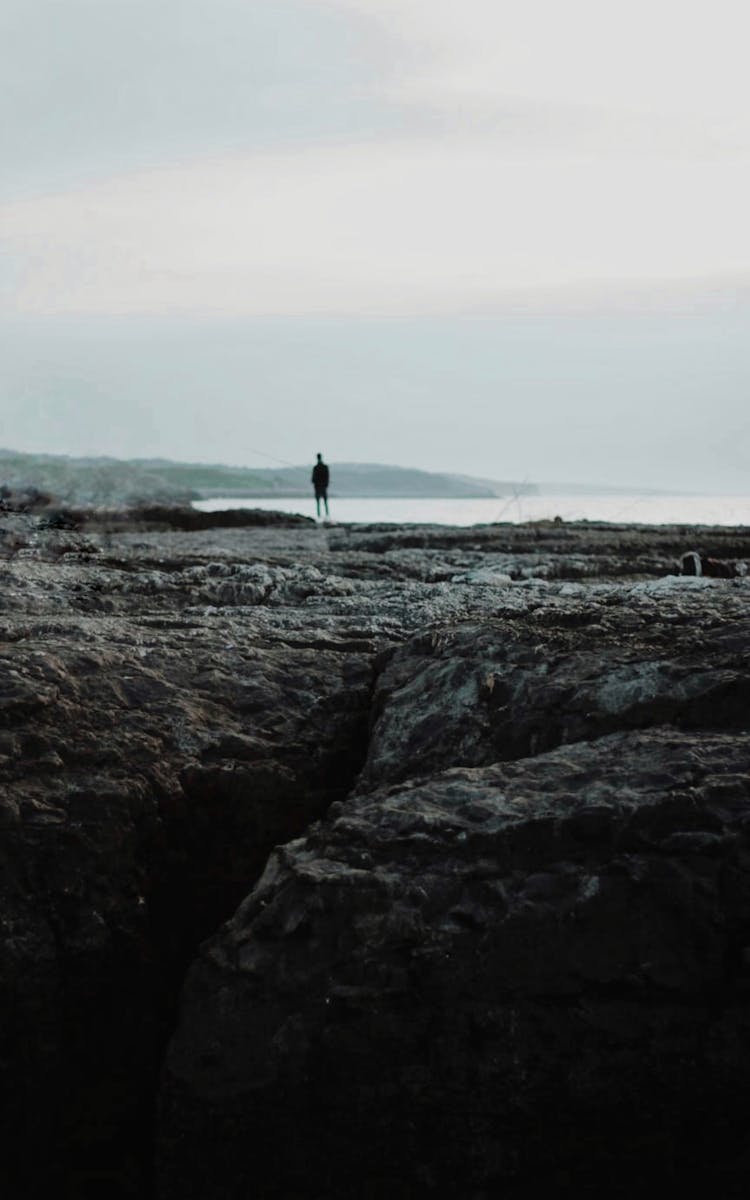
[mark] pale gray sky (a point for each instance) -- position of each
(506, 237)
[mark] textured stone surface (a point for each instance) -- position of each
(517, 974)
(576, 663)
(175, 702)
(154, 745)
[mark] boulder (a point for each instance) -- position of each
(487, 982)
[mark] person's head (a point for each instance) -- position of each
(320, 458)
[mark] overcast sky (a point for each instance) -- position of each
(505, 237)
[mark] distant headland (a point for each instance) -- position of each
(113, 481)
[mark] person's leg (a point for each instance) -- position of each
(325, 501)
(317, 504)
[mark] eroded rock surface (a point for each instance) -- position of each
(503, 976)
(576, 663)
(156, 743)
(176, 701)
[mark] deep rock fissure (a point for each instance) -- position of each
(118, 1018)
(201, 893)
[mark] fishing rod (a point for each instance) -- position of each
(515, 498)
(272, 457)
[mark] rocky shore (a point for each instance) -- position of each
(371, 861)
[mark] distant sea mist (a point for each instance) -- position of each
(629, 509)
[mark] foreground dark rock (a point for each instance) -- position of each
(150, 757)
(178, 701)
(522, 974)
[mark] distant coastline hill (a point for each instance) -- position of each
(112, 481)
(366, 481)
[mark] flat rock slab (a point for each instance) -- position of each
(572, 664)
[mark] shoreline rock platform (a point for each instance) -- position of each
(393, 861)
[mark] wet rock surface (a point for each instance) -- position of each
(175, 702)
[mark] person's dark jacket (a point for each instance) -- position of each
(320, 477)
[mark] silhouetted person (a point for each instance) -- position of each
(320, 477)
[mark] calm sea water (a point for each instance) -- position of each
(639, 509)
